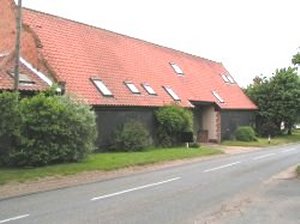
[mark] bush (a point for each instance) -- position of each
(131, 136)
(55, 129)
(268, 128)
(10, 124)
(245, 133)
(172, 121)
(195, 145)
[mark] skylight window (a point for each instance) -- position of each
(23, 78)
(177, 69)
(171, 92)
(149, 89)
(218, 97)
(132, 87)
(231, 80)
(102, 87)
(228, 78)
(225, 78)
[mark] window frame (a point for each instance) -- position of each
(132, 87)
(217, 96)
(172, 93)
(148, 88)
(177, 69)
(102, 88)
(23, 78)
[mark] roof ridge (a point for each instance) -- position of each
(124, 35)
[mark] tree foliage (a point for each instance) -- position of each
(52, 129)
(296, 59)
(10, 124)
(245, 133)
(278, 100)
(131, 136)
(172, 121)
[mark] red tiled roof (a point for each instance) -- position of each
(7, 80)
(78, 52)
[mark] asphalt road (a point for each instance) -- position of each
(202, 192)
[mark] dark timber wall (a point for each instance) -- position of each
(109, 119)
(231, 119)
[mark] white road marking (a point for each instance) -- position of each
(288, 150)
(135, 189)
(264, 156)
(221, 167)
(14, 218)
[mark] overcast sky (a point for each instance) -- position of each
(250, 37)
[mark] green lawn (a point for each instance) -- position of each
(104, 162)
(263, 142)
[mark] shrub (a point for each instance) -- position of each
(268, 128)
(56, 129)
(131, 136)
(245, 133)
(195, 145)
(172, 121)
(10, 124)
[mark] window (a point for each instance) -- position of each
(177, 69)
(3, 54)
(23, 78)
(218, 97)
(228, 78)
(172, 93)
(149, 89)
(132, 87)
(225, 78)
(231, 80)
(102, 87)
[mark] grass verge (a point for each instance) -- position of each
(263, 142)
(104, 162)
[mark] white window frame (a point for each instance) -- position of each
(225, 78)
(172, 93)
(231, 80)
(176, 68)
(102, 87)
(23, 78)
(149, 89)
(132, 88)
(218, 97)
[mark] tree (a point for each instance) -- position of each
(172, 121)
(278, 100)
(296, 59)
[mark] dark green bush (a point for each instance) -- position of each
(56, 129)
(10, 124)
(195, 145)
(172, 121)
(245, 133)
(131, 136)
(267, 128)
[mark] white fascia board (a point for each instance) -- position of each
(35, 71)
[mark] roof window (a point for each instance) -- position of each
(225, 78)
(102, 87)
(149, 89)
(218, 97)
(228, 78)
(231, 80)
(177, 69)
(171, 92)
(23, 78)
(132, 88)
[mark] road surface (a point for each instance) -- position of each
(208, 191)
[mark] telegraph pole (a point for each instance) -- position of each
(18, 44)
